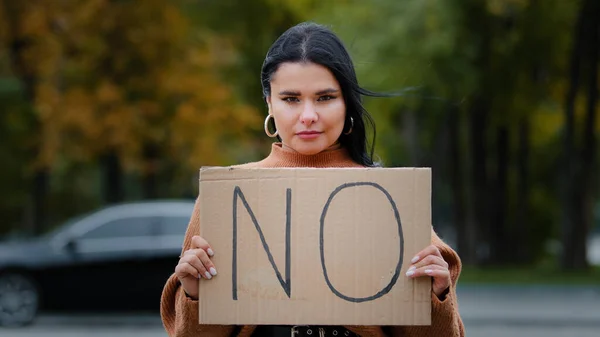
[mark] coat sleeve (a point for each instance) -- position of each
(445, 316)
(179, 313)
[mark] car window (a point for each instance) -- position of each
(126, 227)
(174, 225)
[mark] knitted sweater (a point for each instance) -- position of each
(180, 313)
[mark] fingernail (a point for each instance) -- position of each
(412, 268)
(415, 259)
(208, 275)
(199, 276)
(213, 271)
(210, 252)
(428, 271)
(410, 273)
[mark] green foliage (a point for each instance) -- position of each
(440, 54)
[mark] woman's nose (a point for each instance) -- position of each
(309, 114)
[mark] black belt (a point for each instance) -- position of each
(302, 330)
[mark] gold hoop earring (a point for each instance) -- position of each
(267, 127)
(351, 126)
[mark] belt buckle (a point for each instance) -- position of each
(294, 330)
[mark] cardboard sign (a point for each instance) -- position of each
(315, 246)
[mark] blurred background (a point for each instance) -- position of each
(110, 107)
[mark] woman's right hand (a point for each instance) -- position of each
(195, 264)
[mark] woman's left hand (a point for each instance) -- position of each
(429, 262)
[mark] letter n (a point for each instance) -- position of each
(285, 284)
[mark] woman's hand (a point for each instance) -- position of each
(429, 262)
(195, 264)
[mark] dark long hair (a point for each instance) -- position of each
(314, 43)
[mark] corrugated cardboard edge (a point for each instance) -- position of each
(208, 173)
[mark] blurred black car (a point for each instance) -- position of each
(117, 258)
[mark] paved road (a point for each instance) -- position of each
(486, 311)
(530, 312)
(531, 305)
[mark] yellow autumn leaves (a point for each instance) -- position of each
(115, 75)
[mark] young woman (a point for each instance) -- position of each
(315, 103)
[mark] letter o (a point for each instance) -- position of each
(394, 279)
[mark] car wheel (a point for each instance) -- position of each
(19, 300)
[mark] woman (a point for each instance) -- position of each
(314, 100)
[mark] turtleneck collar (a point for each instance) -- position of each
(282, 157)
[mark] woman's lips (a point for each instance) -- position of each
(308, 134)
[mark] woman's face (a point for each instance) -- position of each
(308, 107)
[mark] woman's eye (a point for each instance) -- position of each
(325, 98)
(291, 99)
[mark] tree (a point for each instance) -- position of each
(485, 72)
(579, 160)
(138, 92)
(21, 42)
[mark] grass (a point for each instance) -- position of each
(529, 275)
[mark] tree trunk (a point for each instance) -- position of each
(588, 153)
(410, 133)
(521, 235)
(570, 216)
(19, 45)
(41, 184)
(500, 247)
(466, 241)
(479, 28)
(479, 184)
(150, 179)
(113, 178)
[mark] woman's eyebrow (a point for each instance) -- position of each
(327, 91)
(318, 93)
(289, 93)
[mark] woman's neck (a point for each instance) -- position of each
(333, 147)
(284, 156)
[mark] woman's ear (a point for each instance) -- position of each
(269, 104)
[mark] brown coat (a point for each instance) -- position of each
(180, 313)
